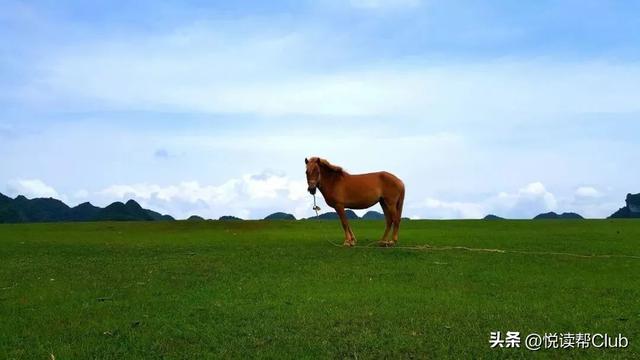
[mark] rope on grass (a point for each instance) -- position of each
(428, 247)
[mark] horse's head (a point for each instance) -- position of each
(313, 174)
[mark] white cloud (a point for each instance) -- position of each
(31, 188)
(527, 202)
(251, 196)
(587, 192)
(454, 210)
(443, 91)
(261, 68)
(202, 69)
(384, 4)
(536, 191)
(590, 202)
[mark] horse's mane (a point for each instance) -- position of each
(329, 166)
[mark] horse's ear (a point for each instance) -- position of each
(306, 161)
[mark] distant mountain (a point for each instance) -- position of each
(553, 215)
(84, 212)
(373, 215)
(228, 218)
(631, 210)
(4, 199)
(128, 211)
(41, 209)
(195, 218)
(351, 215)
(280, 216)
(21, 209)
(492, 217)
(156, 216)
(334, 216)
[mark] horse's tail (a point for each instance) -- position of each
(400, 203)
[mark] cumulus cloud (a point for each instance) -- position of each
(454, 210)
(31, 188)
(253, 196)
(526, 202)
(592, 202)
(250, 196)
(587, 192)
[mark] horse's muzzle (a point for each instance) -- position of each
(312, 190)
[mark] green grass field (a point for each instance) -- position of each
(194, 290)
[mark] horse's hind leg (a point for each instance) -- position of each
(398, 215)
(388, 221)
(396, 223)
(353, 237)
(395, 220)
(396, 228)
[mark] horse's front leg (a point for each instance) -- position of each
(349, 239)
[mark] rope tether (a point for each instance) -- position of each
(503, 251)
(316, 208)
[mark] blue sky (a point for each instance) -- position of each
(209, 108)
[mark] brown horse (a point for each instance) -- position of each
(342, 190)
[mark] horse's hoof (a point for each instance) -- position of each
(384, 243)
(348, 244)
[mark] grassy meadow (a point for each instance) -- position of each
(280, 289)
